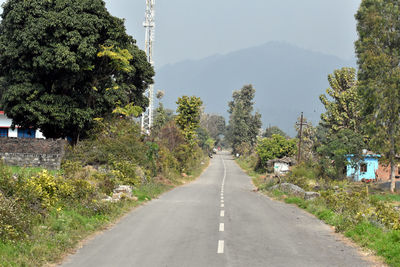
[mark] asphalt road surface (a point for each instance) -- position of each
(217, 221)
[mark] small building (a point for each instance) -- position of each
(6, 131)
(366, 168)
(281, 166)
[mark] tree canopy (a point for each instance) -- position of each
(333, 151)
(378, 55)
(243, 125)
(215, 125)
(188, 118)
(343, 102)
(66, 62)
(274, 130)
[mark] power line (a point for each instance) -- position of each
(300, 136)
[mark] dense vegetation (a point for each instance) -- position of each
(70, 69)
(64, 63)
(362, 113)
(44, 213)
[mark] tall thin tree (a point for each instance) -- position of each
(379, 74)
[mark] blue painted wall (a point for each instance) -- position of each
(372, 162)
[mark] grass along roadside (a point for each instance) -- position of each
(63, 228)
(368, 234)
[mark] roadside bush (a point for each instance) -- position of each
(303, 175)
(113, 139)
(15, 223)
(96, 207)
(353, 206)
(7, 182)
(244, 149)
(71, 168)
(106, 182)
(125, 172)
(78, 190)
(188, 157)
(387, 215)
(40, 191)
(275, 147)
(167, 163)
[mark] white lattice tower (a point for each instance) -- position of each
(149, 25)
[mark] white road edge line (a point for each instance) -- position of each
(222, 213)
(220, 247)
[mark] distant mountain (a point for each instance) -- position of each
(287, 79)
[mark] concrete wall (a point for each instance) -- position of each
(29, 152)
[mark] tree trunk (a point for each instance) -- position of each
(392, 164)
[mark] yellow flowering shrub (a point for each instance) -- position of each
(387, 215)
(42, 189)
(125, 172)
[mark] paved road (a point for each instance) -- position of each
(217, 221)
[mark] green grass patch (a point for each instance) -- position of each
(386, 197)
(298, 201)
(30, 171)
(58, 233)
(385, 243)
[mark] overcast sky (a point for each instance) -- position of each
(193, 29)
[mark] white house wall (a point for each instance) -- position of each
(6, 123)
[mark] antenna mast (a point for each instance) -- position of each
(149, 25)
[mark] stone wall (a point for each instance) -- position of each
(46, 153)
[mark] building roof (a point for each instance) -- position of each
(366, 155)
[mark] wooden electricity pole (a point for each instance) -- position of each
(300, 137)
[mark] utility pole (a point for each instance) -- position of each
(149, 25)
(300, 136)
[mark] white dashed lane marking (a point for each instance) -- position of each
(221, 243)
(220, 247)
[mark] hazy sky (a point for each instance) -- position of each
(192, 29)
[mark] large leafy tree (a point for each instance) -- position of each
(378, 55)
(188, 118)
(333, 151)
(243, 126)
(271, 130)
(342, 102)
(215, 124)
(65, 62)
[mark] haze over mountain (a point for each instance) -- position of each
(287, 79)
